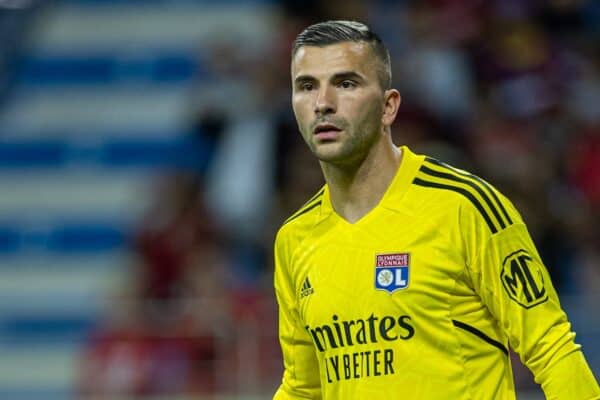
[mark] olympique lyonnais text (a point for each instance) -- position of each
(390, 260)
(349, 333)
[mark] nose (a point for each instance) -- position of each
(325, 102)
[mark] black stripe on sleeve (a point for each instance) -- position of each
(478, 179)
(453, 177)
(303, 211)
(464, 192)
(481, 335)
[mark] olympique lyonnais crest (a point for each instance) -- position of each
(392, 271)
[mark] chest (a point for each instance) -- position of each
(392, 267)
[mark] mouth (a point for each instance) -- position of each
(326, 131)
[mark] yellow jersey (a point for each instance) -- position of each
(421, 298)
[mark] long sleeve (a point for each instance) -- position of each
(512, 281)
(301, 378)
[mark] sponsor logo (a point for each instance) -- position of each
(343, 342)
(307, 289)
(392, 271)
(341, 333)
(523, 279)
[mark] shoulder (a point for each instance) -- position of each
(303, 214)
(302, 220)
(462, 193)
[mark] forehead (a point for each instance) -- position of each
(327, 60)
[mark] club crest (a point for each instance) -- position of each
(392, 271)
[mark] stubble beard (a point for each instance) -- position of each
(353, 145)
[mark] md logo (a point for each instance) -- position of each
(523, 279)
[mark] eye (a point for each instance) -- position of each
(307, 86)
(347, 84)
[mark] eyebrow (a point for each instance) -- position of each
(336, 77)
(304, 78)
(347, 75)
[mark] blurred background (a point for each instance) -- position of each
(148, 154)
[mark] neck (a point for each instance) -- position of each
(356, 189)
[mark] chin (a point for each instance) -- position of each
(332, 152)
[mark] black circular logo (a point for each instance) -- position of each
(523, 279)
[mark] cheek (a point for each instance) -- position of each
(297, 111)
(301, 112)
(369, 113)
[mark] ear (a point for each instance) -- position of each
(391, 105)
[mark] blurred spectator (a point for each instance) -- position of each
(584, 164)
(174, 226)
(168, 327)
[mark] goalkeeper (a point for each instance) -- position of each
(403, 277)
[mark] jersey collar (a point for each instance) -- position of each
(398, 187)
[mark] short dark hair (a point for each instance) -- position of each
(332, 32)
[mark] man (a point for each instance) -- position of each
(404, 278)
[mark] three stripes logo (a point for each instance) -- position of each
(307, 289)
(435, 174)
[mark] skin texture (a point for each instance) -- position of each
(337, 85)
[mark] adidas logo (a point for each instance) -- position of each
(307, 289)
